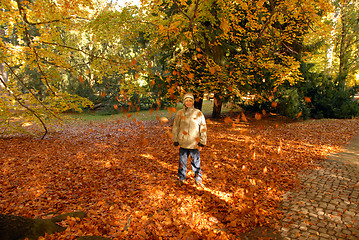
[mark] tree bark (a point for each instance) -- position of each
(18, 227)
(217, 106)
(198, 103)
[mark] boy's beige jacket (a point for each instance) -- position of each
(189, 128)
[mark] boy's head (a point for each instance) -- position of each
(188, 100)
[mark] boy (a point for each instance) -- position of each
(190, 133)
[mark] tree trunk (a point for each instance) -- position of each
(217, 107)
(198, 103)
(18, 227)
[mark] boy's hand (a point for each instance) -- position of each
(200, 146)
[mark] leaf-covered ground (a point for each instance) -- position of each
(123, 174)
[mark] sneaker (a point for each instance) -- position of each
(199, 183)
(181, 182)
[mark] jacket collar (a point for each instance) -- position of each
(190, 108)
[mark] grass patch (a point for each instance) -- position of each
(207, 109)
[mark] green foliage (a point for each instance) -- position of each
(330, 100)
(292, 104)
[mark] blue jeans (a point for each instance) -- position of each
(195, 163)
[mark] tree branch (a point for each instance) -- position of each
(26, 20)
(23, 104)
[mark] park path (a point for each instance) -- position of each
(327, 204)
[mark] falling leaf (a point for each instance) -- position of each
(265, 170)
(184, 132)
(115, 106)
(81, 79)
(212, 70)
(164, 119)
(172, 110)
(243, 117)
(274, 104)
(103, 94)
(228, 120)
(190, 76)
(307, 99)
(258, 116)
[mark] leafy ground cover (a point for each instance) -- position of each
(122, 173)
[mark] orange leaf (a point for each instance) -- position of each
(164, 119)
(184, 132)
(103, 94)
(258, 116)
(228, 120)
(81, 79)
(265, 170)
(212, 70)
(307, 99)
(115, 106)
(244, 117)
(190, 76)
(274, 104)
(171, 109)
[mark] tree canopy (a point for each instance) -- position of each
(69, 55)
